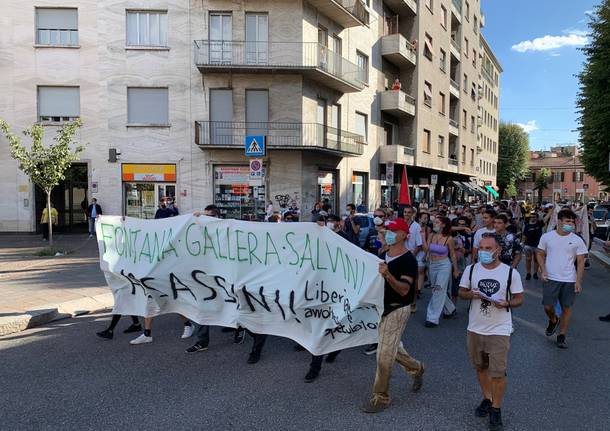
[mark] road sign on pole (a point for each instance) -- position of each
(434, 179)
(255, 146)
(389, 173)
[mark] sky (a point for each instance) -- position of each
(537, 44)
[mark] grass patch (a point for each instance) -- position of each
(49, 251)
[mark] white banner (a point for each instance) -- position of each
(296, 280)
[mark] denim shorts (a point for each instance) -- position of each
(558, 290)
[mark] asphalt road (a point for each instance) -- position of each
(61, 376)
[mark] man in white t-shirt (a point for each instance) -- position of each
(488, 227)
(558, 250)
(493, 288)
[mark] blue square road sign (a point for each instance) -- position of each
(255, 146)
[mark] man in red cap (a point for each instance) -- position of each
(399, 270)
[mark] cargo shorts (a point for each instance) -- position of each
(489, 352)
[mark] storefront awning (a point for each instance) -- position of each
(459, 185)
(479, 189)
(492, 191)
(469, 188)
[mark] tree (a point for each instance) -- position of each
(513, 154)
(542, 182)
(46, 166)
(594, 97)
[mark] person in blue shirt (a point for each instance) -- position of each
(93, 211)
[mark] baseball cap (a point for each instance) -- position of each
(398, 224)
(549, 206)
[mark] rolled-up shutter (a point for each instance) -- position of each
(59, 101)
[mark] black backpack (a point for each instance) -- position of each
(509, 294)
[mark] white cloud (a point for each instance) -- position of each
(555, 54)
(528, 127)
(548, 42)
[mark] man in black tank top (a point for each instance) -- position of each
(399, 270)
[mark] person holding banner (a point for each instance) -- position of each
(399, 270)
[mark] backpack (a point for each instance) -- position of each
(509, 295)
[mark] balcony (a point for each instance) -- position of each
(456, 9)
(397, 154)
(280, 136)
(452, 165)
(398, 103)
(311, 59)
(398, 50)
(402, 6)
(454, 127)
(456, 49)
(346, 13)
(487, 75)
(454, 88)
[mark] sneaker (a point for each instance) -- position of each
(188, 331)
(452, 315)
(561, 341)
(106, 334)
(133, 328)
(142, 339)
(429, 324)
(240, 336)
(374, 406)
(371, 350)
(90, 236)
(528, 276)
(311, 375)
(495, 420)
(535, 276)
(254, 357)
(197, 347)
(418, 378)
(550, 330)
(605, 318)
(483, 409)
(331, 358)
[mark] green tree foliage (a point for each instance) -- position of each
(542, 182)
(513, 155)
(46, 166)
(594, 97)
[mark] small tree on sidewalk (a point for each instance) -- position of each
(542, 182)
(46, 166)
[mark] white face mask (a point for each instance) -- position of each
(330, 225)
(378, 221)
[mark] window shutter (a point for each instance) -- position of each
(58, 101)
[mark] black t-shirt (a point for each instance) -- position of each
(532, 234)
(403, 265)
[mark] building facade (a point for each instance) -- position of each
(569, 181)
(344, 94)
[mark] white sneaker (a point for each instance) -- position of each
(188, 331)
(142, 339)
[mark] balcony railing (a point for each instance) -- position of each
(453, 162)
(287, 56)
(487, 75)
(456, 45)
(279, 135)
(348, 13)
(57, 36)
(458, 5)
(454, 123)
(409, 151)
(455, 84)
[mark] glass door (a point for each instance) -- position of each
(327, 188)
(220, 38)
(257, 38)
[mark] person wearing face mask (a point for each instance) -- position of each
(488, 227)
(399, 270)
(350, 225)
(441, 248)
(494, 289)
(557, 252)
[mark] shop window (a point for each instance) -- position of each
(235, 195)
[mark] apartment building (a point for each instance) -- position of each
(170, 90)
(489, 94)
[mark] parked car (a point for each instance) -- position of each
(366, 226)
(601, 221)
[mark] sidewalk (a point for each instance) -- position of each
(35, 290)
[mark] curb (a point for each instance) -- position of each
(45, 314)
(601, 257)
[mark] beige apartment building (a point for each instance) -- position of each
(342, 93)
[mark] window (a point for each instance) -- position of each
(474, 57)
(472, 124)
(360, 181)
(443, 61)
(463, 154)
(467, 11)
(464, 118)
(441, 146)
(471, 157)
(430, 5)
(558, 176)
(257, 112)
(441, 104)
(473, 91)
(577, 176)
(257, 38)
(363, 66)
(147, 28)
(58, 104)
(361, 125)
(465, 86)
(444, 17)
(476, 25)
(220, 30)
(427, 136)
(428, 53)
(57, 26)
(466, 47)
(148, 106)
(427, 94)
(221, 114)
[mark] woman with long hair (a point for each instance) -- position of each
(440, 247)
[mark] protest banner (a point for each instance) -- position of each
(296, 280)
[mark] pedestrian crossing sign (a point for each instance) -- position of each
(255, 146)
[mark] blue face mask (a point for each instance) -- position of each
(486, 257)
(390, 238)
(568, 228)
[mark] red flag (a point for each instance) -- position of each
(404, 198)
